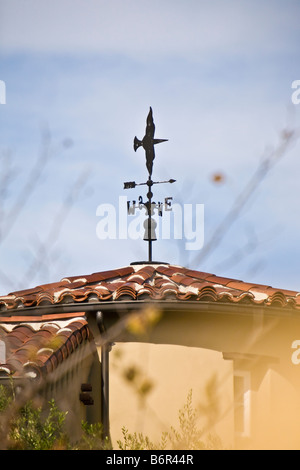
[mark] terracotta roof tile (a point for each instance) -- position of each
(41, 346)
(169, 270)
(151, 282)
(240, 285)
(101, 276)
(219, 280)
(196, 274)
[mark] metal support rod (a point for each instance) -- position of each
(105, 348)
(105, 389)
(149, 194)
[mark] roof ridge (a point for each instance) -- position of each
(139, 281)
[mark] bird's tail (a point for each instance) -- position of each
(136, 143)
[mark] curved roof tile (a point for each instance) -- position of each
(35, 349)
(36, 345)
(152, 282)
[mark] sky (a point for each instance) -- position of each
(80, 77)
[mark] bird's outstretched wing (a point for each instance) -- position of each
(150, 128)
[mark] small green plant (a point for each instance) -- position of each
(5, 398)
(187, 437)
(31, 431)
(92, 438)
(135, 441)
(29, 427)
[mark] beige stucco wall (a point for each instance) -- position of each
(254, 344)
(275, 414)
(173, 371)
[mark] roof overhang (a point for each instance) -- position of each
(124, 306)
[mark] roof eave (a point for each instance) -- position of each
(165, 305)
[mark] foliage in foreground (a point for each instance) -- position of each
(29, 431)
(32, 428)
(187, 437)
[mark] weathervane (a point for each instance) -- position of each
(148, 143)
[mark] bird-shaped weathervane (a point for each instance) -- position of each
(148, 143)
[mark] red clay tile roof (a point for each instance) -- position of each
(33, 349)
(36, 344)
(149, 282)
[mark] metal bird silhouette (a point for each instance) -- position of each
(148, 142)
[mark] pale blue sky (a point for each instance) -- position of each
(218, 76)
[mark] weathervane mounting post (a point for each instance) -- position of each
(148, 143)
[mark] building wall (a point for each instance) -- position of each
(275, 415)
(173, 372)
(64, 384)
(271, 403)
(233, 351)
